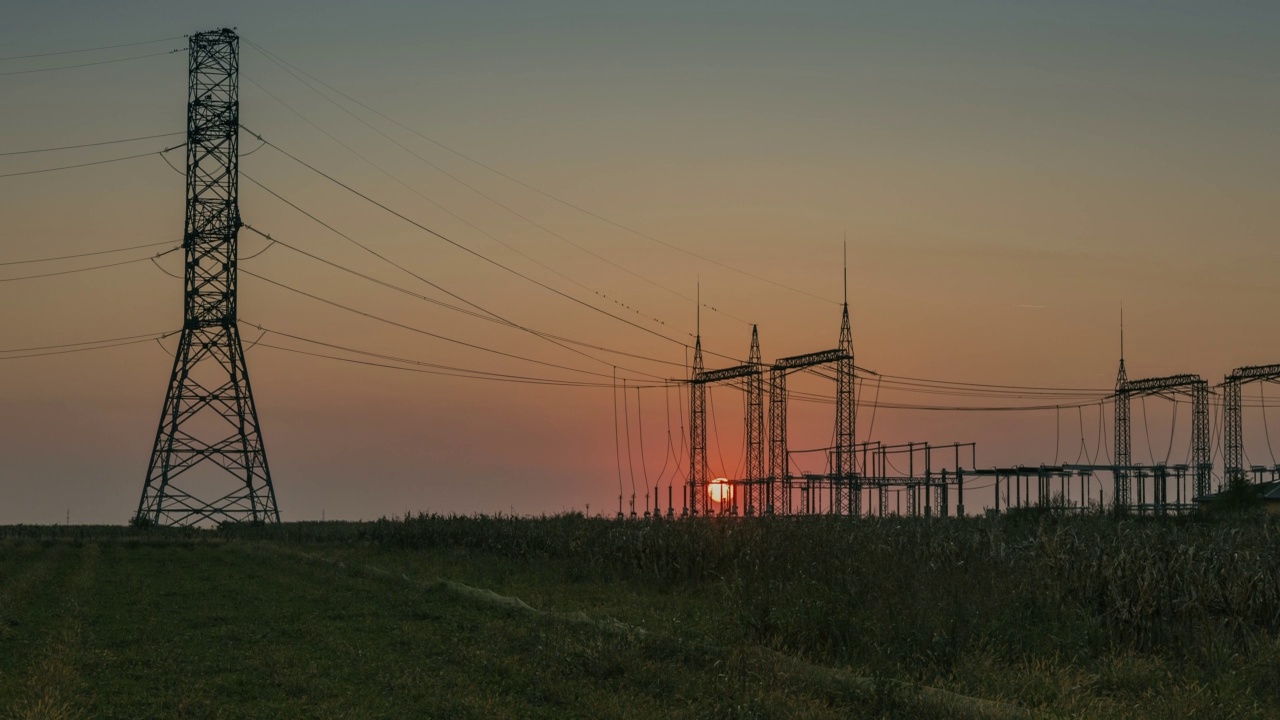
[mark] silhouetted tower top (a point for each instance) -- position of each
(697, 338)
(753, 356)
(1122, 377)
(846, 334)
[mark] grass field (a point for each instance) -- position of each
(822, 617)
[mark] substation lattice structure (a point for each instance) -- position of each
(208, 464)
(1157, 488)
(859, 478)
(1233, 420)
(872, 478)
(1126, 473)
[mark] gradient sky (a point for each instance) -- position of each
(1008, 174)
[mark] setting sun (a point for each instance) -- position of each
(720, 490)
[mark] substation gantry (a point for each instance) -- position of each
(925, 487)
(699, 476)
(768, 490)
(1027, 486)
(846, 489)
(1233, 420)
(1201, 460)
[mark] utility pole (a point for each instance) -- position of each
(208, 463)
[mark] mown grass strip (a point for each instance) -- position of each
(53, 687)
(786, 666)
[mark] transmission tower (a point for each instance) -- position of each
(208, 463)
(699, 503)
(779, 499)
(756, 476)
(1124, 457)
(1201, 459)
(1232, 430)
(848, 492)
(1232, 416)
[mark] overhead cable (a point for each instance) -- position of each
(89, 64)
(85, 254)
(464, 311)
(95, 162)
(458, 245)
(437, 205)
(477, 191)
(413, 329)
(92, 144)
(92, 49)
(92, 267)
(544, 193)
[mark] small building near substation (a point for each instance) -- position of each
(1268, 494)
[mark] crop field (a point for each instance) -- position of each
(1029, 615)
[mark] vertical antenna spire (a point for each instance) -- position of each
(1121, 376)
(697, 338)
(846, 335)
(1122, 333)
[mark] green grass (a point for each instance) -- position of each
(208, 628)
(819, 617)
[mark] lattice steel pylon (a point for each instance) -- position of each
(848, 491)
(756, 476)
(1201, 457)
(208, 463)
(1233, 419)
(699, 502)
(1232, 430)
(1124, 456)
(779, 496)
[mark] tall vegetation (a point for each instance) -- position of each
(910, 591)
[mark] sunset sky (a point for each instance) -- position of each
(1007, 176)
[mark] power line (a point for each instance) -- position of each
(92, 49)
(472, 188)
(960, 390)
(419, 331)
(69, 348)
(407, 271)
(96, 162)
(146, 336)
(447, 370)
(93, 144)
(437, 205)
(90, 64)
(1093, 391)
(87, 254)
(544, 193)
(631, 467)
(458, 245)
(486, 316)
(92, 267)
(531, 381)
(617, 451)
